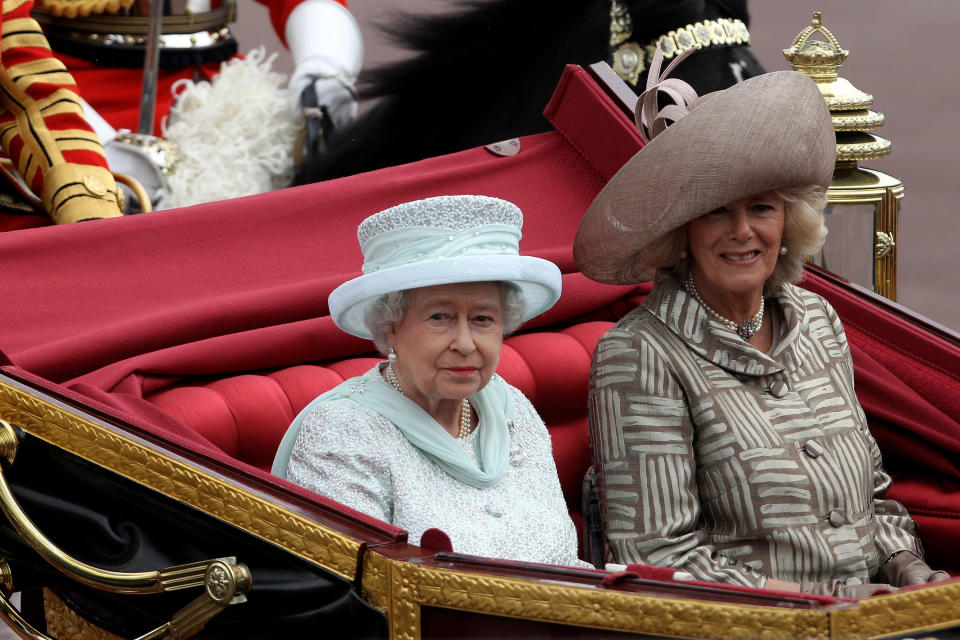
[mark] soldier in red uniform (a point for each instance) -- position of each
(42, 126)
(103, 42)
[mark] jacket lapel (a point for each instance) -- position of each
(719, 344)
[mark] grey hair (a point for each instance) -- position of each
(387, 310)
(803, 235)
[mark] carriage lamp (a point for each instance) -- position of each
(863, 210)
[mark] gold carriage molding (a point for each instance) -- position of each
(422, 594)
(863, 214)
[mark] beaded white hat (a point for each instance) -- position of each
(443, 240)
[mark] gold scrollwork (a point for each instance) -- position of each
(179, 481)
(863, 151)
(416, 585)
(376, 580)
(885, 245)
(899, 613)
(857, 121)
(64, 623)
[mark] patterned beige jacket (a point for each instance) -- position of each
(731, 464)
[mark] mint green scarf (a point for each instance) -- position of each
(493, 404)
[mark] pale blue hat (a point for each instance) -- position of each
(443, 240)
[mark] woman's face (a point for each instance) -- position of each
(448, 341)
(735, 247)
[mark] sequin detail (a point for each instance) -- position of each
(357, 457)
(445, 212)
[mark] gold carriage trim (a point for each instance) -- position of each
(414, 586)
(64, 622)
(931, 607)
(180, 481)
(629, 60)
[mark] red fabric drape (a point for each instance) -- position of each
(105, 296)
(116, 309)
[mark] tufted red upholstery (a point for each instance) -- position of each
(247, 415)
(907, 381)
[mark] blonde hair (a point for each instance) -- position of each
(803, 235)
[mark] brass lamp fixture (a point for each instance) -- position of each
(863, 214)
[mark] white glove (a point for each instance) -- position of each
(335, 90)
(327, 48)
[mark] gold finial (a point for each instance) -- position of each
(816, 57)
(821, 59)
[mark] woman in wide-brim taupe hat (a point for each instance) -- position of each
(727, 438)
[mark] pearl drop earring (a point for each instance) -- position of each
(783, 250)
(391, 355)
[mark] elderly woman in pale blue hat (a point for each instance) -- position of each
(432, 437)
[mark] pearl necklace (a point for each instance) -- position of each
(466, 417)
(746, 329)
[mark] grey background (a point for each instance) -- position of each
(901, 52)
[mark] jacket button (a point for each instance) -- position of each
(853, 581)
(836, 518)
(779, 389)
(813, 448)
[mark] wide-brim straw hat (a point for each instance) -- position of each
(769, 132)
(443, 240)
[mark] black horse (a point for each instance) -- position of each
(484, 72)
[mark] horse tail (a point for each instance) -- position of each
(480, 73)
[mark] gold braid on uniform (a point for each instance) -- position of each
(44, 132)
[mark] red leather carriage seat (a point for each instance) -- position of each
(247, 415)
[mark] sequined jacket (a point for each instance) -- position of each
(355, 456)
(734, 465)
